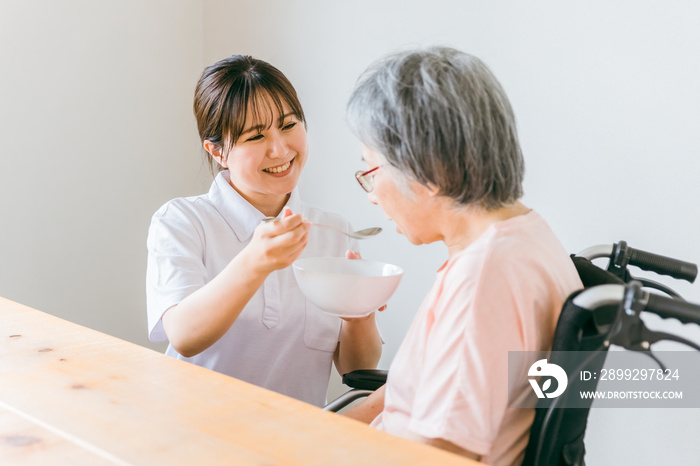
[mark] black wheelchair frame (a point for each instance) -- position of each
(606, 312)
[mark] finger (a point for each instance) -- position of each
(352, 255)
(283, 255)
(266, 229)
(290, 220)
(287, 212)
(356, 319)
(288, 255)
(301, 229)
(297, 252)
(287, 241)
(293, 237)
(382, 308)
(283, 225)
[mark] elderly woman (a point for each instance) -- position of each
(440, 143)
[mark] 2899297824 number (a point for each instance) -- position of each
(639, 374)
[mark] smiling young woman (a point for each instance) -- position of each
(219, 285)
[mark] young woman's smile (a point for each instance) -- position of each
(279, 170)
(267, 159)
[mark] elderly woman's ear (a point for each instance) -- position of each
(428, 190)
(433, 190)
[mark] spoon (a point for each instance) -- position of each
(361, 234)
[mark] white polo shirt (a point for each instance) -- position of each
(280, 341)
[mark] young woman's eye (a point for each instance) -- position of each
(255, 138)
(290, 125)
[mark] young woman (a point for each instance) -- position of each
(220, 287)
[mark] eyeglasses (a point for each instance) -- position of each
(366, 181)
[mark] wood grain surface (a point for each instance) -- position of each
(72, 395)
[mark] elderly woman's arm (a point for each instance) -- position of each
(370, 408)
(360, 346)
(445, 445)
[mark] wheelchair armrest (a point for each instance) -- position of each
(365, 379)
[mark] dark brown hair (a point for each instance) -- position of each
(228, 87)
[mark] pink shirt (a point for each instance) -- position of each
(449, 379)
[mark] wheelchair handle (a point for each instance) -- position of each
(621, 255)
(596, 252)
(663, 265)
(667, 308)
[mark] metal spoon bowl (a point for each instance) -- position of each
(360, 234)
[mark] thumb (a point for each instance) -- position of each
(287, 212)
(352, 254)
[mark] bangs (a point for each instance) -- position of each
(256, 106)
(262, 107)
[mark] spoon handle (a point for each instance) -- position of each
(329, 226)
(274, 219)
(351, 235)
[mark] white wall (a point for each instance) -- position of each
(96, 132)
(608, 104)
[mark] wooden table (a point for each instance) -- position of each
(71, 395)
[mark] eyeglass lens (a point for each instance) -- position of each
(365, 180)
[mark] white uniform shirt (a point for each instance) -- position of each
(280, 341)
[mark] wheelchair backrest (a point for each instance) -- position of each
(577, 329)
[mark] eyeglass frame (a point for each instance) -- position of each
(364, 180)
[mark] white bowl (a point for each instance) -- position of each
(347, 287)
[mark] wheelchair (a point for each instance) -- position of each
(606, 311)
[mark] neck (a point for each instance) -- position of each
(463, 225)
(272, 208)
(268, 205)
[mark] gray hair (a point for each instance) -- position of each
(441, 117)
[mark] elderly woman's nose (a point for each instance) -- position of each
(372, 198)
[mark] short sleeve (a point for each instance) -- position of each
(175, 266)
(462, 394)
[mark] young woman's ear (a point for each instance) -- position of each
(215, 152)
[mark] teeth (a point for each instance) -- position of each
(279, 169)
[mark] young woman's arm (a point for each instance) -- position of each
(369, 408)
(360, 345)
(203, 317)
